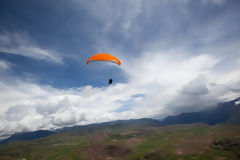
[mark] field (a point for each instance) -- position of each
(175, 142)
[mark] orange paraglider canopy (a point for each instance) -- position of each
(103, 57)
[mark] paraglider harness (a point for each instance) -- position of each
(110, 81)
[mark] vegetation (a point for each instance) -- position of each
(174, 142)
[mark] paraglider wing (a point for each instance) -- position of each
(103, 57)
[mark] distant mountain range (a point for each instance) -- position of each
(27, 136)
(222, 113)
(227, 112)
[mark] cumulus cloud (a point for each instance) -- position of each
(22, 44)
(158, 85)
(195, 87)
(30, 106)
(173, 85)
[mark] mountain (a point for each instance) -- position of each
(143, 122)
(235, 116)
(27, 136)
(222, 113)
(180, 142)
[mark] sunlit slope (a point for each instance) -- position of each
(191, 141)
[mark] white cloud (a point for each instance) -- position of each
(28, 106)
(4, 65)
(20, 43)
(237, 102)
(158, 84)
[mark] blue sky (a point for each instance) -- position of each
(177, 56)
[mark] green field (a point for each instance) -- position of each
(174, 142)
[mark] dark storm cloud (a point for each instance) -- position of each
(195, 87)
(194, 96)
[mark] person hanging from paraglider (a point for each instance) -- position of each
(104, 57)
(110, 81)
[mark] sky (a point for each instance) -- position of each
(177, 56)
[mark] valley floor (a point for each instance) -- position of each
(175, 142)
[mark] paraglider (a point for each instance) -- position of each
(104, 57)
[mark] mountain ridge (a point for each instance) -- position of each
(226, 112)
(220, 114)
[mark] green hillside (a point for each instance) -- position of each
(174, 142)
